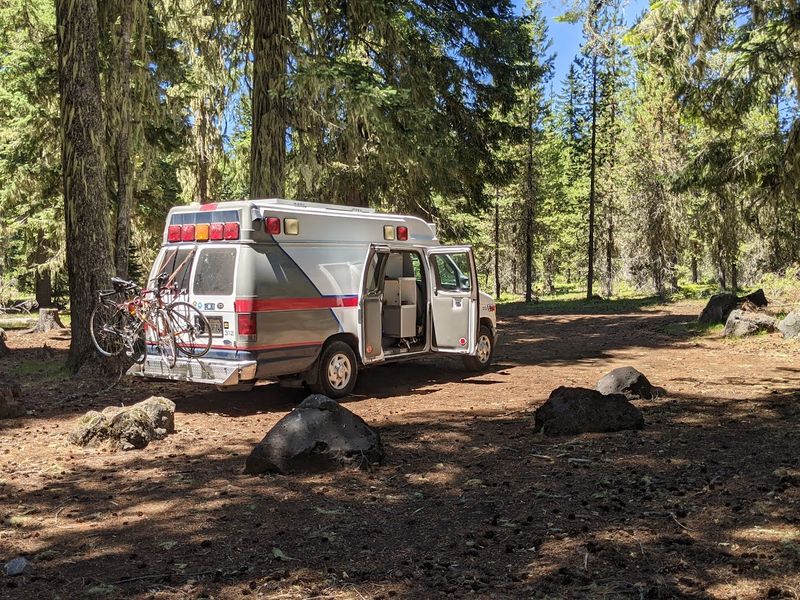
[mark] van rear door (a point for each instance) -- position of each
(454, 299)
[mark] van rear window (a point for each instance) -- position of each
(211, 216)
(214, 271)
(176, 263)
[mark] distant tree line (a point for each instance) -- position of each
(670, 151)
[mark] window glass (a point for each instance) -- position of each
(417, 265)
(453, 272)
(211, 216)
(176, 260)
(373, 284)
(214, 272)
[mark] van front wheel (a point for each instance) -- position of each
(337, 371)
(483, 351)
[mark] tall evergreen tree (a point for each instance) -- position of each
(89, 256)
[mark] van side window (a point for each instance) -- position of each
(453, 272)
(213, 274)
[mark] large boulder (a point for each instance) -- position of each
(746, 322)
(790, 326)
(3, 338)
(720, 306)
(629, 382)
(570, 411)
(10, 403)
(318, 435)
(126, 428)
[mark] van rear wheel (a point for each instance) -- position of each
(337, 370)
(484, 351)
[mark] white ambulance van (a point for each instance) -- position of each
(309, 293)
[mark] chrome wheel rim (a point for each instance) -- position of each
(484, 349)
(339, 371)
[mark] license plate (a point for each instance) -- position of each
(216, 326)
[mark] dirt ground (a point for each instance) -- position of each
(703, 503)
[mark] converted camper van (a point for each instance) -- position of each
(309, 293)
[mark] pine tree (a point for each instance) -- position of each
(89, 256)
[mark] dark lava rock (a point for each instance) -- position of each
(318, 435)
(790, 326)
(571, 411)
(629, 382)
(720, 306)
(746, 322)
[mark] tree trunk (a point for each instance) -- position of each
(592, 172)
(42, 280)
(202, 143)
(123, 134)
(48, 320)
(3, 348)
(497, 249)
(89, 258)
(529, 206)
(695, 274)
(268, 142)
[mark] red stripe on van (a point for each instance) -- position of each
(207, 207)
(276, 304)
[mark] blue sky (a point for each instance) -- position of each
(567, 38)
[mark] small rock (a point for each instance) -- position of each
(10, 404)
(131, 429)
(741, 323)
(318, 435)
(630, 383)
(161, 412)
(790, 326)
(92, 428)
(570, 411)
(16, 566)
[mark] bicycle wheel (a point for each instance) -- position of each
(107, 326)
(190, 328)
(166, 340)
(136, 344)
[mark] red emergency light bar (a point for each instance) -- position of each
(216, 231)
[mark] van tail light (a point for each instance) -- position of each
(187, 233)
(402, 233)
(230, 231)
(247, 326)
(174, 233)
(216, 231)
(273, 225)
(201, 232)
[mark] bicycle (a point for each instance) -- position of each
(125, 325)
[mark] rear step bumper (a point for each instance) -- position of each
(198, 370)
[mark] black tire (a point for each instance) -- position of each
(190, 328)
(483, 357)
(337, 370)
(106, 325)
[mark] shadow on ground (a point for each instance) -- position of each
(706, 497)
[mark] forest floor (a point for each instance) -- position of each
(703, 503)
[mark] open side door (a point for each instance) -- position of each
(372, 305)
(454, 299)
